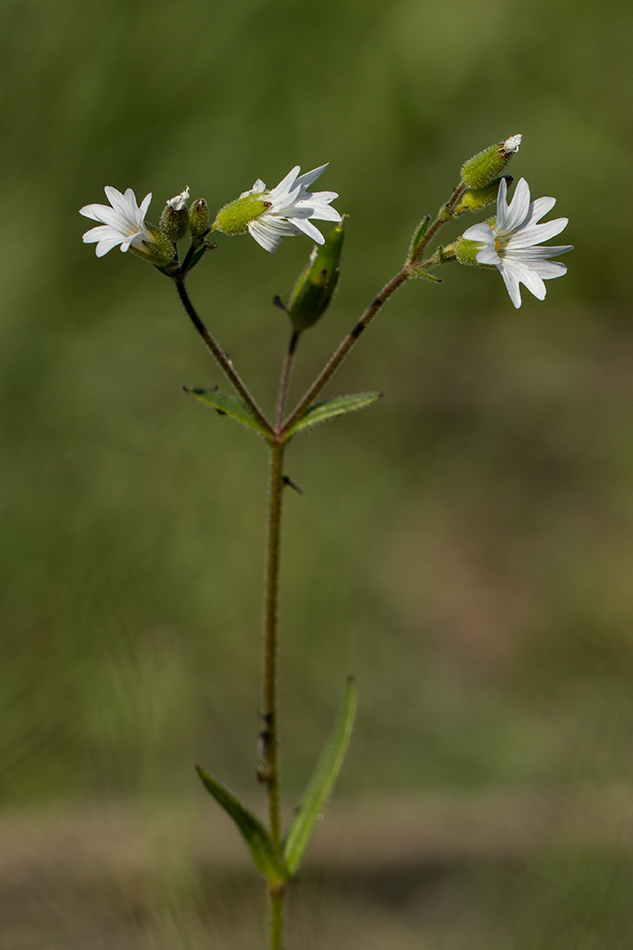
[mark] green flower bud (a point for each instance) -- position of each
(479, 170)
(174, 221)
(465, 251)
(479, 198)
(199, 218)
(159, 251)
(315, 287)
(235, 217)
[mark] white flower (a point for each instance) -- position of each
(290, 205)
(123, 223)
(179, 202)
(512, 244)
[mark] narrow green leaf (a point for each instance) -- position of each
(255, 835)
(418, 237)
(320, 411)
(321, 784)
(227, 405)
(196, 256)
(423, 272)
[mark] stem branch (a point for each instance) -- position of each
(285, 379)
(443, 215)
(339, 355)
(223, 360)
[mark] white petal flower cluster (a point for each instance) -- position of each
(290, 206)
(123, 223)
(512, 244)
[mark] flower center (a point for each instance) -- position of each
(501, 241)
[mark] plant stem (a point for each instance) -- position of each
(285, 378)
(444, 214)
(339, 355)
(269, 773)
(220, 356)
(271, 738)
(276, 905)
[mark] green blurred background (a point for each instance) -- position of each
(465, 547)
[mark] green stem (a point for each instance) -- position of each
(276, 909)
(220, 356)
(269, 772)
(444, 214)
(339, 355)
(285, 378)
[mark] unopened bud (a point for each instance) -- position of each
(316, 284)
(479, 170)
(174, 221)
(199, 218)
(478, 198)
(235, 217)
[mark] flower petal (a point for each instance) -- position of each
(480, 232)
(512, 285)
(537, 233)
(308, 228)
(518, 209)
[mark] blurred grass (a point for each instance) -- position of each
(464, 547)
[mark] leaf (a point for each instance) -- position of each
(321, 784)
(423, 272)
(418, 237)
(320, 411)
(255, 835)
(195, 257)
(227, 405)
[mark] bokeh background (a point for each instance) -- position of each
(464, 547)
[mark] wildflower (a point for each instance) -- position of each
(123, 223)
(512, 243)
(282, 212)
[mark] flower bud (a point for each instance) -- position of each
(465, 251)
(235, 217)
(479, 170)
(199, 218)
(174, 221)
(475, 199)
(316, 284)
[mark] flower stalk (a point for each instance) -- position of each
(225, 362)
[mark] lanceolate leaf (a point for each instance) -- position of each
(320, 411)
(321, 784)
(255, 835)
(227, 405)
(418, 237)
(423, 272)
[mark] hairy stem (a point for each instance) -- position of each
(444, 214)
(221, 357)
(270, 772)
(276, 909)
(339, 355)
(269, 769)
(285, 379)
